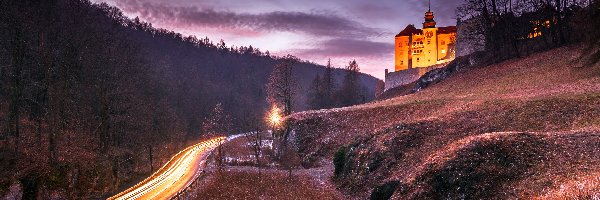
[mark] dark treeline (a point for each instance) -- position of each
(516, 28)
(326, 93)
(87, 96)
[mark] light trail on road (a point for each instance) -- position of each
(175, 175)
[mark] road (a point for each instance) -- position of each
(174, 176)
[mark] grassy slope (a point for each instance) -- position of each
(522, 128)
(240, 179)
(247, 184)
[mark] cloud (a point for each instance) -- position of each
(341, 47)
(357, 29)
(315, 23)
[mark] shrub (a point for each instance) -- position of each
(594, 58)
(375, 162)
(384, 191)
(30, 185)
(339, 160)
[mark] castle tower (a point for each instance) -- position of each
(403, 43)
(429, 22)
(422, 48)
(429, 53)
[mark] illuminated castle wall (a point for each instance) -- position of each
(424, 47)
(420, 50)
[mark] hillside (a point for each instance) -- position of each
(523, 128)
(91, 101)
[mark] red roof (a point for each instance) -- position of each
(409, 30)
(447, 30)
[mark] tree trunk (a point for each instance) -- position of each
(220, 157)
(18, 57)
(151, 162)
(52, 146)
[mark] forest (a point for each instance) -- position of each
(506, 29)
(91, 100)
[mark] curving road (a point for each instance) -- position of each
(174, 176)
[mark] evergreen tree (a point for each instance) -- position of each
(316, 94)
(217, 124)
(328, 86)
(350, 93)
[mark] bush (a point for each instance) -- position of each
(30, 184)
(4, 187)
(594, 58)
(375, 163)
(339, 160)
(384, 191)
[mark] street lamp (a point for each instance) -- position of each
(274, 118)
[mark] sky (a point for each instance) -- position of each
(314, 30)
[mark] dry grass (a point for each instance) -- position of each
(239, 153)
(586, 187)
(518, 129)
(242, 180)
(506, 165)
(541, 75)
(270, 185)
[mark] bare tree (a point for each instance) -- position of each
(255, 140)
(281, 87)
(217, 124)
(85, 72)
(509, 28)
(380, 88)
(290, 159)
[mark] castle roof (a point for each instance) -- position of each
(409, 30)
(447, 30)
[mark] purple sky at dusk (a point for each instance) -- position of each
(313, 30)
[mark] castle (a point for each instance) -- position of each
(417, 51)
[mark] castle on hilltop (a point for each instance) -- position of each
(418, 51)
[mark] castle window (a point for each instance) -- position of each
(418, 59)
(429, 51)
(402, 62)
(428, 41)
(443, 42)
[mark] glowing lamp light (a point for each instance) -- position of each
(274, 117)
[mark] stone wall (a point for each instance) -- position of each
(399, 78)
(467, 44)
